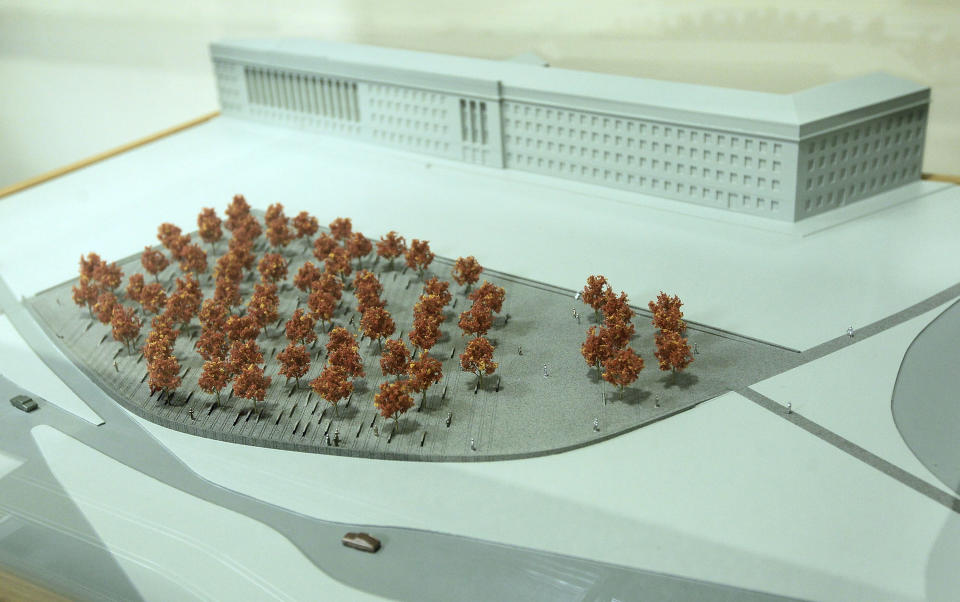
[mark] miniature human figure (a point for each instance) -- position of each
(576, 296)
(545, 373)
(850, 331)
(519, 349)
(376, 430)
(336, 438)
(789, 408)
(449, 417)
(328, 440)
(473, 444)
(192, 417)
(696, 349)
(657, 401)
(115, 366)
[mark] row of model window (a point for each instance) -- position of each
(551, 146)
(910, 122)
(409, 124)
(864, 166)
(546, 120)
(619, 177)
(408, 108)
(851, 153)
(473, 121)
(331, 98)
(406, 93)
(413, 141)
(860, 189)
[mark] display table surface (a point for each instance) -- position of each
(735, 491)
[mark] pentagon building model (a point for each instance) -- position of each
(780, 156)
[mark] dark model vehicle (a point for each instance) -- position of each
(361, 541)
(23, 403)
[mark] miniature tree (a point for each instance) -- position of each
(208, 225)
(394, 359)
(490, 295)
(425, 332)
(329, 283)
(476, 321)
(622, 368)
(366, 283)
(323, 246)
(618, 334)
(424, 372)
(376, 323)
(666, 313)
(616, 308)
(85, 293)
(340, 338)
(306, 276)
(264, 304)
(596, 349)
(332, 385)
(241, 249)
(594, 293)
(392, 401)
(368, 301)
(294, 362)
(418, 256)
(154, 262)
(212, 344)
(182, 307)
(134, 287)
(230, 266)
(321, 305)
(430, 306)
(391, 246)
(177, 244)
(108, 275)
(341, 228)
(251, 384)
(227, 292)
(438, 288)
(103, 308)
(243, 354)
(213, 314)
(247, 230)
(358, 247)
(299, 328)
(125, 326)
(274, 214)
(242, 328)
(466, 271)
(306, 226)
(279, 234)
(338, 262)
(236, 211)
(160, 339)
(153, 297)
(164, 374)
(168, 234)
(477, 357)
(89, 265)
(672, 352)
(193, 259)
(273, 267)
(214, 377)
(347, 359)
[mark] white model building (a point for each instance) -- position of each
(781, 156)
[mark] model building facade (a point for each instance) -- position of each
(780, 156)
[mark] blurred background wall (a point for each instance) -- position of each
(78, 77)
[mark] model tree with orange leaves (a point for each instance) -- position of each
(476, 321)
(395, 357)
(466, 271)
(135, 286)
(164, 374)
(438, 288)
(358, 247)
(306, 226)
(376, 323)
(85, 293)
(208, 225)
(125, 326)
(244, 353)
(193, 259)
(595, 293)
(321, 305)
(108, 275)
(338, 262)
(477, 357)
(242, 328)
(212, 344)
(273, 267)
(672, 352)
(215, 376)
(391, 246)
(425, 332)
(323, 246)
(103, 308)
(424, 372)
(300, 328)
(622, 368)
(666, 313)
(251, 384)
(279, 234)
(264, 304)
(341, 228)
(418, 256)
(154, 262)
(490, 295)
(393, 401)
(153, 298)
(597, 348)
(294, 362)
(306, 276)
(332, 385)
(236, 211)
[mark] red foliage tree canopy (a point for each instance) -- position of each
(237, 210)
(193, 259)
(164, 374)
(358, 246)
(213, 314)
(227, 292)
(477, 357)
(153, 261)
(299, 328)
(251, 384)
(616, 308)
(294, 362)
(394, 359)
(418, 256)
(618, 334)
(595, 293)
(243, 354)
(275, 214)
(209, 225)
(340, 338)
(430, 306)
(377, 323)
(347, 359)
(393, 400)
(89, 265)
(329, 284)
(108, 275)
(242, 328)
(215, 376)
(323, 246)
(332, 385)
(341, 228)
(306, 276)
(264, 304)
(672, 352)
(666, 313)
(212, 344)
(321, 305)
(168, 234)
(476, 321)
(85, 293)
(247, 230)
(424, 372)
(153, 297)
(103, 308)
(306, 225)
(438, 288)
(466, 271)
(425, 332)
(241, 251)
(182, 307)
(134, 287)
(279, 234)
(391, 246)
(273, 267)
(622, 368)
(338, 262)
(597, 348)
(490, 295)
(125, 325)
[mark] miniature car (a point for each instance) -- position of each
(361, 541)
(23, 403)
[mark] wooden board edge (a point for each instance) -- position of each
(938, 177)
(56, 173)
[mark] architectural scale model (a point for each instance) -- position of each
(784, 157)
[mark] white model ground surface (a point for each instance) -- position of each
(728, 492)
